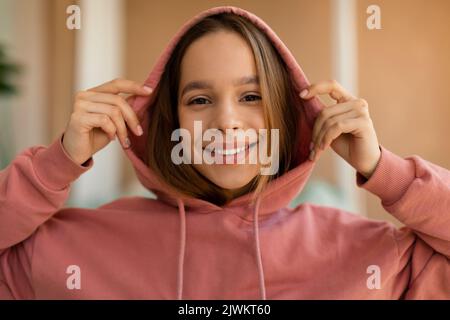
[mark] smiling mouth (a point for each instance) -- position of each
(229, 151)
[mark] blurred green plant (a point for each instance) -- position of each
(7, 70)
(7, 89)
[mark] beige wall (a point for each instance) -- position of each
(45, 49)
(29, 48)
(404, 74)
(61, 67)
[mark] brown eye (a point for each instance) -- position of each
(197, 101)
(252, 97)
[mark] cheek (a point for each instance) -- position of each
(186, 121)
(257, 120)
(254, 116)
(260, 123)
(187, 117)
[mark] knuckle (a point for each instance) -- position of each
(118, 100)
(359, 106)
(117, 80)
(104, 119)
(80, 95)
(115, 112)
(82, 104)
(338, 125)
(334, 82)
(328, 123)
(362, 103)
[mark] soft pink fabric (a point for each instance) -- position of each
(180, 247)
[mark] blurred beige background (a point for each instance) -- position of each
(402, 70)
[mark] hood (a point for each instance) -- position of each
(277, 194)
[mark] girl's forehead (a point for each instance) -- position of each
(207, 56)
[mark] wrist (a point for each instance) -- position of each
(69, 154)
(367, 173)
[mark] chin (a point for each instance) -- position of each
(230, 177)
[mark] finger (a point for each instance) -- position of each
(344, 126)
(334, 122)
(128, 113)
(330, 87)
(97, 120)
(119, 85)
(347, 126)
(327, 113)
(115, 115)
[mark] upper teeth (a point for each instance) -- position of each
(228, 151)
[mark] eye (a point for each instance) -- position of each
(198, 101)
(252, 97)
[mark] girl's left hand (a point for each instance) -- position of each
(346, 126)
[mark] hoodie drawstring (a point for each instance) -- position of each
(262, 285)
(182, 248)
(181, 254)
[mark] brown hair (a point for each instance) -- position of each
(277, 99)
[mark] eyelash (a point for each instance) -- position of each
(249, 95)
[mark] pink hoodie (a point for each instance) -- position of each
(186, 248)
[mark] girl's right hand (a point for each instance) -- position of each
(98, 115)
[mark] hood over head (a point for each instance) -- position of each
(277, 194)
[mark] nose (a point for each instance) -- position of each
(227, 116)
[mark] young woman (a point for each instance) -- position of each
(222, 230)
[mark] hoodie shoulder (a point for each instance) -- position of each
(346, 225)
(121, 211)
(132, 203)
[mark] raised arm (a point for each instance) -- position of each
(417, 193)
(33, 187)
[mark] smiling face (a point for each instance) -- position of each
(219, 87)
(210, 78)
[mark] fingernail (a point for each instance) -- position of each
(140, 132)
(311, 155)
(148, 89)
(304, 93)
(311, 146)
(127, 143)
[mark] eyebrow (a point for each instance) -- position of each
(193, 85)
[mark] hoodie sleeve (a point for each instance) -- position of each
(417, 193)
(33, 187)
